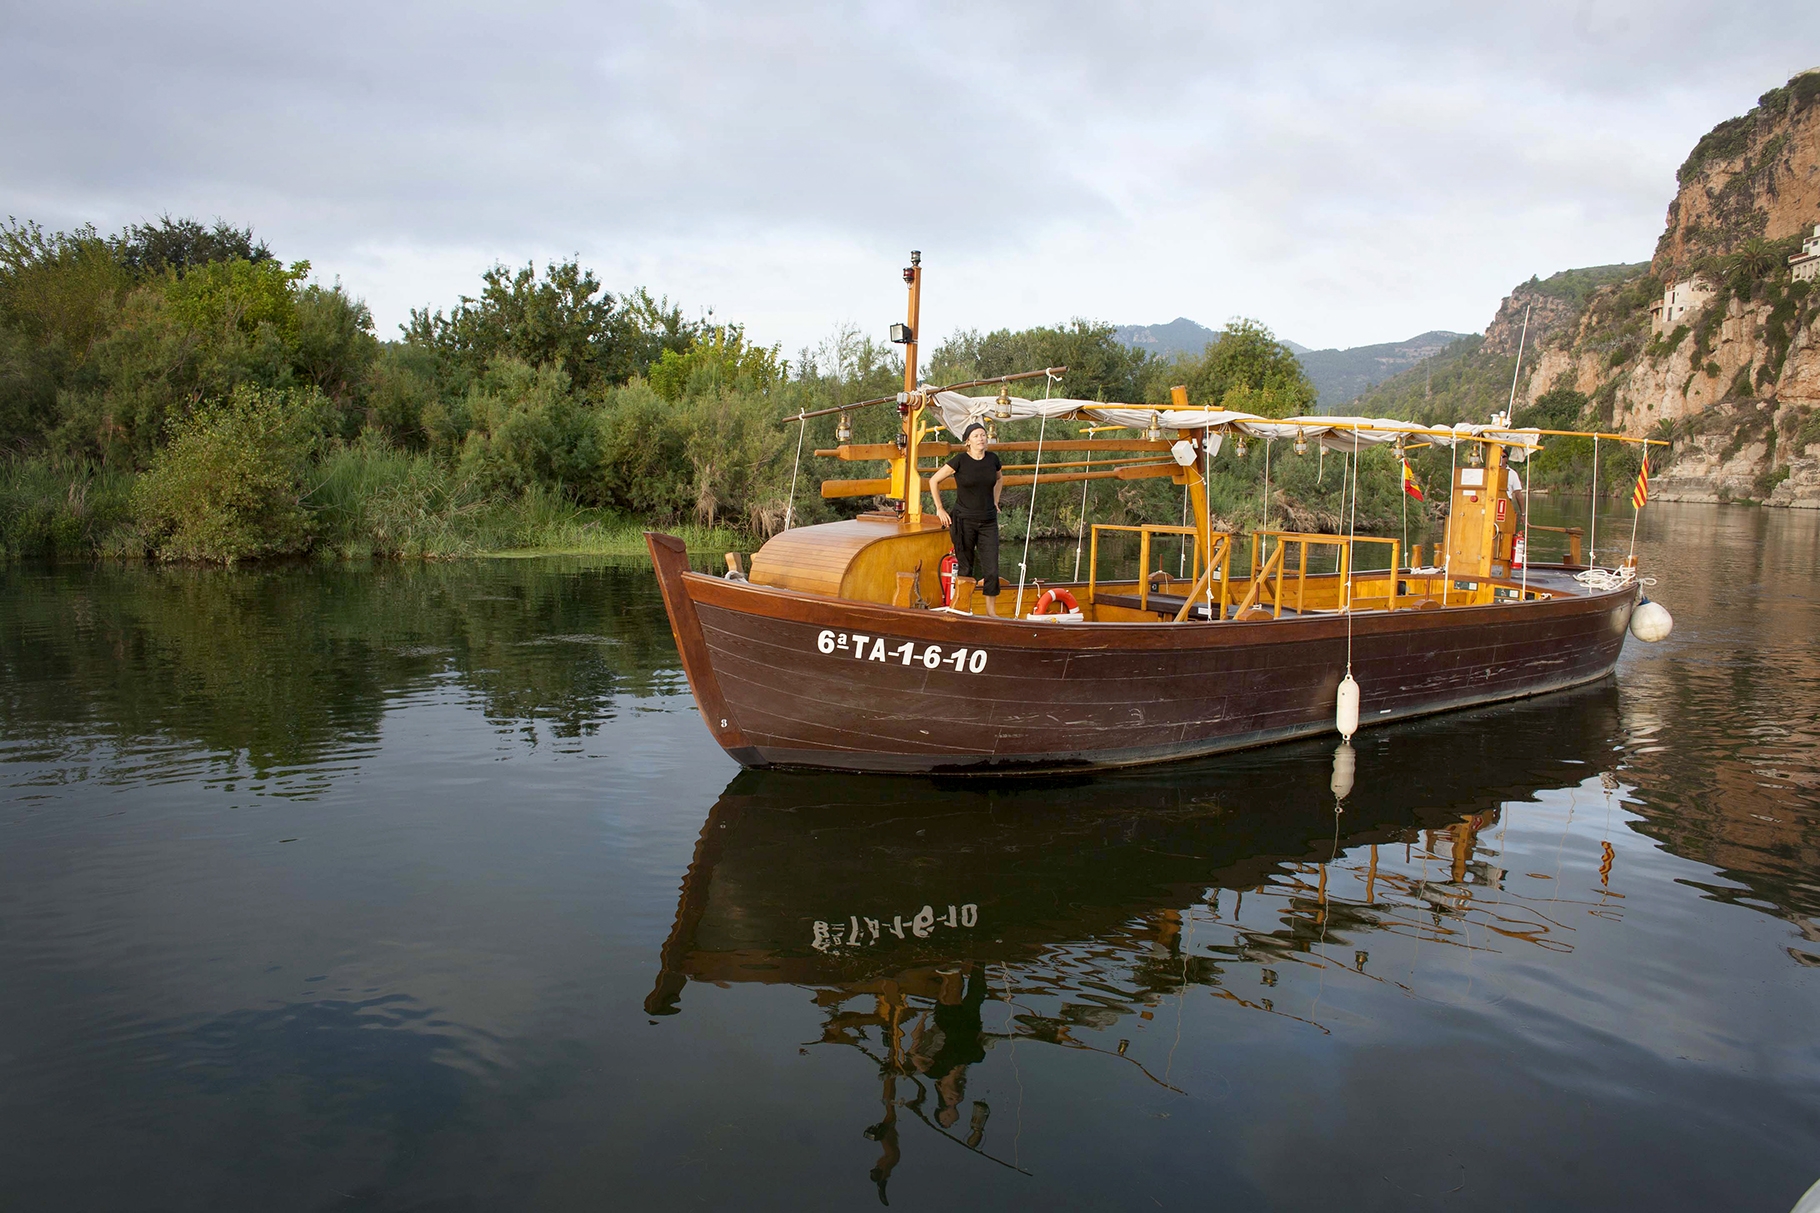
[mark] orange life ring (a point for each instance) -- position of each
(1050, 598)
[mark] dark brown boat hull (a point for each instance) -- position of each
(786, 679)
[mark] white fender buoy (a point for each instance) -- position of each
(1346, 708)
(1345, 766)
(1651, 622)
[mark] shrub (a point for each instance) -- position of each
(644, 457)
(229, 485)
(530, 429)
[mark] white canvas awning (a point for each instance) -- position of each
(1335, 433)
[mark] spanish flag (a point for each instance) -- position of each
(1640, 495)
(1409, 483)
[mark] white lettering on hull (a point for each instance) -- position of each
(874, 648)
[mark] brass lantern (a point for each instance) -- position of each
(843, 433)
(1001, 408)
(1301, 443)
(1238, 447)
(1155, 432)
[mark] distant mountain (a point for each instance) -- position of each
(1342, 376)
(1339, 376)
(1179, 336)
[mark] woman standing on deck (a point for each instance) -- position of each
(978, 480)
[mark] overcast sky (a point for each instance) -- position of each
(1346, 173)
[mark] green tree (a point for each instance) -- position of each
(1249, 370)
(58, 294)
(563, 319)
(719, 358)
(1099, 367)
(147, 250)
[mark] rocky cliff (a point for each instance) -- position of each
(1734, 380)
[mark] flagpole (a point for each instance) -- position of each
(1638, 496)
(1592, 540)
(1403, 476)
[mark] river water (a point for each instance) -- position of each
(424, 887)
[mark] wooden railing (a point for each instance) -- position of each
(1204, 568)
(1574, 537)
(1276, 561)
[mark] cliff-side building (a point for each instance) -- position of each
(1677, 302)
(1805, 265)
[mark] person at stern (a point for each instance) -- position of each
(979, 478)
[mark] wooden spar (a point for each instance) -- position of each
(941, 450)
(1145, 471)
(793, 418)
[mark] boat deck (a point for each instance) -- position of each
(1554, 580)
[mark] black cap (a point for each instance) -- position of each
(971, 426)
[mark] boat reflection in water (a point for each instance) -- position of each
(916, 911)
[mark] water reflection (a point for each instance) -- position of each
(270, 672)
(936, 925)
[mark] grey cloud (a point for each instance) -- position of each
(663, 136)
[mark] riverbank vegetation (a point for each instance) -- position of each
(175, 391)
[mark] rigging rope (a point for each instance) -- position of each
(1206, 481)
(1181, 566)
(1266, 511)
(1351, 543)
(1080, 532)
(1036, 477)
(802, 428)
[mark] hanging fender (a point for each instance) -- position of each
(1346, 708)
(1050, 598)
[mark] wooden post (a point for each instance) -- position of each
(1225, 575)
(1282, 551)
(905, 593)
(1301, 578)
(1574, 536)
(913, 480)
(1093, 563)
(1144, 569)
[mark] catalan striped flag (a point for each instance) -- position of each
(1639, 496)
(1409, 483)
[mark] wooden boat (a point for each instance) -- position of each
(828, 655)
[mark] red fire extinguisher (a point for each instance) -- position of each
(947, 567)
(1521, 551)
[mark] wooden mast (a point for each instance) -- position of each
(913, 406)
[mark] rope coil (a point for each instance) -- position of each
(1601, 580)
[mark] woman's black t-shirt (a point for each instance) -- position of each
(973, 481)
